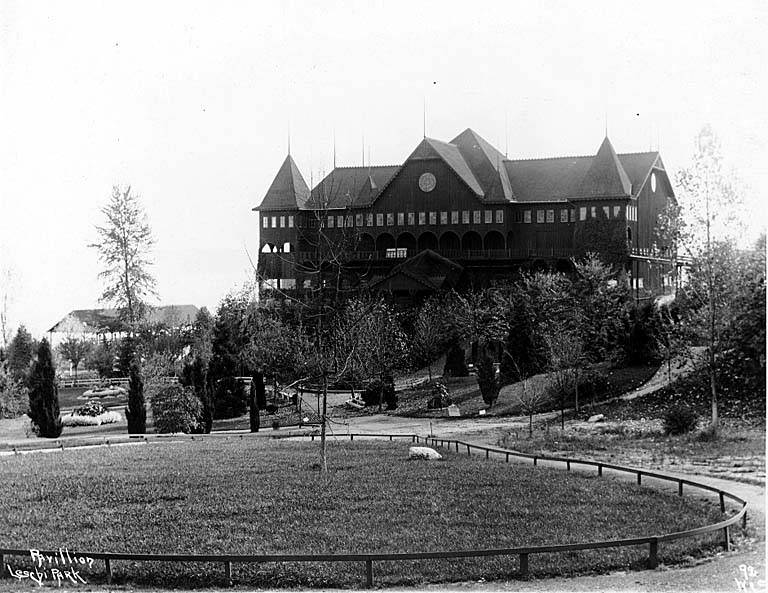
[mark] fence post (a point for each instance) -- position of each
(727, 538)
(679, 487)
(468, 451)
(487, 453)
(351, 437)
(599, 469)
(228, 572)
(457, 446)
(108, 569)
(639, 478)
(368, 574)
(534, 461)
(523, 565)
(568, 464)
(653, 554)
(722, 502)
(507, 460)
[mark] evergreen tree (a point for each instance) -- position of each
(44, 394)
(20, 353)
(486, 378)
(136, 412)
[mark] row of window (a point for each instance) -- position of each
(400, 218)
(477, 217)
(585, 212)
(275, 219)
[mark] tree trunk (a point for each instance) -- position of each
(712, 315)
(669, 368)
(576, 389)
(255, 420)
(323, 456)
(562, 411)
(713, 390)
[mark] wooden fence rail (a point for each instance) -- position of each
(522, 552)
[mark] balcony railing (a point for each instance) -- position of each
(396, 253)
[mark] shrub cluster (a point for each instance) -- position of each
(90, 408)
(679, 419)
(176, 409)
(106, 417)
(378, 391)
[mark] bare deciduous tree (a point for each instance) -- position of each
(124, 243)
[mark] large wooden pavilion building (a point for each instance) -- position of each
(460, 212)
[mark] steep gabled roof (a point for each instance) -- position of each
(288, 190)
(606, 177)
(638, 166)
(347, 187)
(487, 165)
(426, 270)
(450, 154)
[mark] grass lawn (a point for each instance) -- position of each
(254, 496)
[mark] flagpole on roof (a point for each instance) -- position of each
(424, 118)
(334, 148)
(506, 134)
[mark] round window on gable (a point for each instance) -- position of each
(653, 182)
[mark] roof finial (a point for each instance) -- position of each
(289, 137)
(334, 148)
(362, 148)
(506, 134)
(424, 118)
(606, 123)
(369, 159)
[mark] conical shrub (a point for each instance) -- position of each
(44, 394)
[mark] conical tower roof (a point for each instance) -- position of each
(606, 176)
(288, 190)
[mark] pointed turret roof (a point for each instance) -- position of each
(288, 189)
(606, 176)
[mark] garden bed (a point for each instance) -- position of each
(249, 497)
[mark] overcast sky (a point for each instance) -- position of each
(191, 103)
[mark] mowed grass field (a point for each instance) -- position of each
(249, 496)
